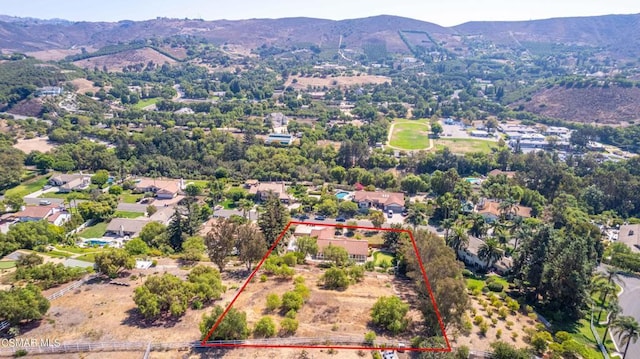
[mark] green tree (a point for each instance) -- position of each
(288, 326)
(161, 295)
(205, 284)
(348, 208)
(153, 234)
(335, 278)
(115, 190)
(459, 240)
(337, 255)
(29, 260)
(245, 205)
(436, 129)
(250, 244)
(265, 328)
(19, 305)
(176, 230)
(377, 218)
(413, 184)
(136, 247)
(628, 330)
(193, 249)
(502, 350)
(192, 190)
(307, 245)
(291, 301)
(390, 313)
(232, 327)
(220, 242)
(113, 261)
(273, 301)
(100, 178)
(338, 173)
(273, 220)
(490, 252)
(14, 201)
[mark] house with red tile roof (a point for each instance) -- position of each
(387, 201)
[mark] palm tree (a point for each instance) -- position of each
(508, 207)
(614, 311)
(245, 206)
(478, 226)
(502, 236)
(447, 224)
(490, 252)
(216, 190)
(459, 240)
(415, 217)
(628, 330)
(523, 233)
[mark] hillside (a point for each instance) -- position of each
(612, 105)
(117, 61)
(616, 33)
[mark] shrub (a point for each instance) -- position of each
(514, 335)
(509, 324)
(467, 273)
(513, 305)
(370, 338)
(265, 328)
(562, 336)
(369, 266)
(291, 314)
(335, 278)
(290, 259)
(503, 312)
(495, 287)
(528, 309)
(485, 289)
(494, 321)
(273, 302)
(263, 278)
(484, 327)
(478, 320)
(498, 333)
(291, 301)
(303, 290)
(356, 273)
(298, 280)
(288, 326)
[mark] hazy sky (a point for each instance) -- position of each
(442, 12)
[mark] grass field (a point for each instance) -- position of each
(7, 264)
(146, 102)
(28, 187)
(128, 197)
(89, 257)
(95, 231)
(127, 214)
(381, 257)
(76, 250)
(60, 195)
(465, 145)
(58, 254)
(200, 183)
(410, 134)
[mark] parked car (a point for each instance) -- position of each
(320, 218)
(341, 219)
(303, 217)
(390, 214)
(44, 202)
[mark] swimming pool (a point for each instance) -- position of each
(342, 195)
(95, 242)
(473, 180)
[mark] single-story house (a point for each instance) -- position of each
(388, 201)
(629, 234)
(280, 138)
(358, 249)
(71, 182)
(125, 227)
(54, 214)
(490, 210)
(262, 190)
(497, 172)
(479, 133)
(162, 188)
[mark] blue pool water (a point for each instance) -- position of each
(95, 242)
(473, 180)
(341, 195)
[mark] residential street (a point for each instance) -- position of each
(631, 306)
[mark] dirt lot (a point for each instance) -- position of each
(339, 81)
(54, 54)
(117, 61)
(41, 144)
(84, 85)
(479, 342)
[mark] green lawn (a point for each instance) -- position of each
(127, 214)
(380, 257)
(95, 231)
(89, 257)
(146, 102)
(473, 284)
(200, 183)
(228, 204)
(465, 145)
(58, 254)
(7, 264)
(29, 187)
(410, 135)
(128, 197)
(77, 250)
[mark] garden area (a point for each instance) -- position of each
(95, 231)
(28, 187)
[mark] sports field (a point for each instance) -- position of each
(410, 135)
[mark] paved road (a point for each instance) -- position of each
(631, 306)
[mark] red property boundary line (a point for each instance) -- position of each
(286, 229)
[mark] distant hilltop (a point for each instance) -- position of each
(609, 35)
